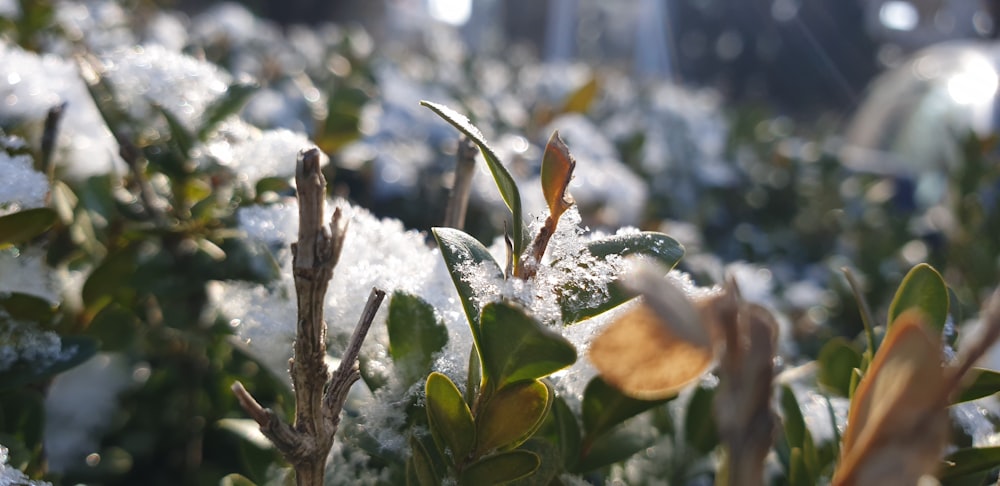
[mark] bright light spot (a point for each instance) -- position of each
(899, 15)
(974, 84)
(454, 12)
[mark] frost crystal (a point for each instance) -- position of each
(254, 154)
(11, 476)
(24, 343)
(146, 75)
(22, 187)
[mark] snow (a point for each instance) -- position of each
(79, 408)
(22, 187)
(146, 75)
(31, 85)
(24, 343)
(11, 476)
(253, 154)
(25, 271)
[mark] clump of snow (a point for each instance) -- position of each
(24, 343)
(149, 75)
(80, 406)
(168, 29)
(10, 9)
(11, 476)
(22, 187)
(26, 272)
(376, 253)
(31, 85)
(99, 24)
(254, 154)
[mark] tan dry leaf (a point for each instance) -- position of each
(897, 424)
(640, 355)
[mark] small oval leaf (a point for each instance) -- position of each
(460, 250)
(24, 225)
(837, 361)
(511, 416)
(500, 468)
(985, 383)
(505, 182)
(450, 419)
(658, 246)
(605, 407)
(643, 357)
(516, 347)
(922, 288)
(415, 335)
(969, 461)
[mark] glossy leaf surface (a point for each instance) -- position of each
(450, 419)
(505, 182)
(516, 347)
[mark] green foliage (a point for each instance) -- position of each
(505, 182)
(924, 289)
(24, 225)
(516, 347)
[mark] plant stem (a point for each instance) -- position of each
(319, 397)
(49, 136)
(454, 215)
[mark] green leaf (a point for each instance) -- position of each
(415, 335)
(699, 428)
(804, 461)
(179, 134)
(566, 432)
(26, 307)
(449, 417)
(969, 461)
(511, 416)
(232, 101)
(505, 183)
(110, 279)
(115, 326)
(516, 347)
(924, 289)
(460, 250)
(474, 378)
(577, 304)
(500, 468)
(612, 448)
(75, 349)
(986, 383)
(421, 465)
(580, 100)
(604, 407)
(24, 225)
(236, 480)
(837, 361)
(550, 463)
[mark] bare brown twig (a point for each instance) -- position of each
(454, 215)
(319, 397)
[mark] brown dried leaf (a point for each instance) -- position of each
(641, 355)
(897, 425)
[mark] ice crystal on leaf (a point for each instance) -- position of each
(25, 343)
(11, 476)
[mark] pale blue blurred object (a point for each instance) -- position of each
(914, 117)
